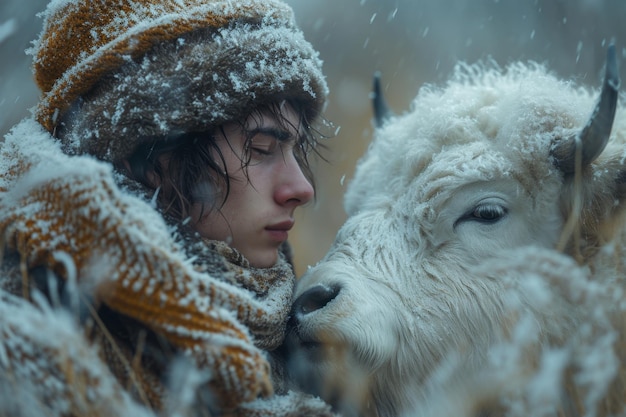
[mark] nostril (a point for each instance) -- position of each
(314, 299)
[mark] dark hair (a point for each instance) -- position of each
(196, 171)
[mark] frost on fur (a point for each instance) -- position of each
(475, 274)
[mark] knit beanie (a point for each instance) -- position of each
(120, 72)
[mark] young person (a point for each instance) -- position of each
(152, 194)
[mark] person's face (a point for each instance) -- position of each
(259, 210)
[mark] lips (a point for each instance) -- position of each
(294, 338)
(284, 226)
(298, 343)
(279, 231)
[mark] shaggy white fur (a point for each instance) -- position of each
(458, 285)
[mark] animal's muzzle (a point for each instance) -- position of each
(309, 302)
(314, 299)
(303, 343)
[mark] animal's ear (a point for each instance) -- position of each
(382, 112)
(593, 199)
(594, 207)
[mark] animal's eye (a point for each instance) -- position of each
(487, 213)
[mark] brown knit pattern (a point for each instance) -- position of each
(84, 40)
(79, 224)
(47, 369)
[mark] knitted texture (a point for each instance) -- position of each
(69, 215)
(47, 369)
(251, 49)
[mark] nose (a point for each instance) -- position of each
(294, 187)
(314, 299)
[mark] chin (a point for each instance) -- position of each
(263, 260)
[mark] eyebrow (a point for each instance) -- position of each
(281, 135)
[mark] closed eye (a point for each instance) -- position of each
(267, 141)
(262, 151)
(263, 145)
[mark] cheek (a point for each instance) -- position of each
(546, 226)
(206, 196)
(210, 224)
(259, 177)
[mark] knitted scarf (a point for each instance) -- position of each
(160, 292)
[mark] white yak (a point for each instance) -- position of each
(480, 270)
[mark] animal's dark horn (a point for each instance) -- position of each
(381, 111)
(595, 135)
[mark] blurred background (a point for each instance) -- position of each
(411, 42)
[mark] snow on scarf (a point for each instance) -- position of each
(69, 215)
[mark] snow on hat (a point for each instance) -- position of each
(135, 69)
